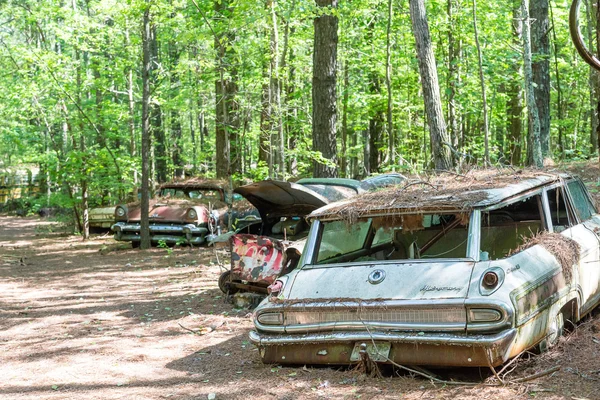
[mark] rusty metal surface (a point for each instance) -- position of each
(401, 353)
(257, 258)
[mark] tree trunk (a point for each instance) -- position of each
(344, 154)
(158, 130)
(486, 128)
(324, 113)
(453, 77)
(175, 124)
(514, 92)
(85, 219)
(264, 140)
(559, 98)
(388, 84)
(146, 71)
(540, 48)
(593, 80)
(535, 148)
(226, 88)
(275, 84)
(376, 117)
(431, 92)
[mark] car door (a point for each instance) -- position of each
(586, 233)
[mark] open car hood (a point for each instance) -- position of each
(281, 199)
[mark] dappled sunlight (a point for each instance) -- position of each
(78, 323)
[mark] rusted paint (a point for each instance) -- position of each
(401, 353)
(257, 258)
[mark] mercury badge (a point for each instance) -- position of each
(376, 276)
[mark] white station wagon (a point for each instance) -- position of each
(457, 271)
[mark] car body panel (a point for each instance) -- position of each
(257, 258)
(101, 217)
(279, 198)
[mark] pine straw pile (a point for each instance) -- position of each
(565, 250)
(439, 192)
(197, 182)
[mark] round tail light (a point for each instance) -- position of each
(490, 279)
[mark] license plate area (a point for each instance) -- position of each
(379, 351)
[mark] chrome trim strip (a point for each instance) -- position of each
(474, 238)
(354, 325)
(160, 228)
(169, 239)
(388, 262)
(505, 310)
(501, 339)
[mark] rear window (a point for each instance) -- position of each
(332, 192)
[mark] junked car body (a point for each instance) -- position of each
(267, 250)
(445, 274)
(185, 212)
(101, 218)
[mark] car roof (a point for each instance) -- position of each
(351, 183)
(443, 192)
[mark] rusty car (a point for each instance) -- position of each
(184, 212)
(454, 271)
(264, 251)
(101, 218)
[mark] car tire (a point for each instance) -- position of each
(555, 330)
(225, 283)
(135, 245)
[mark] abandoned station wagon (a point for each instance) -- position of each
(458, 271)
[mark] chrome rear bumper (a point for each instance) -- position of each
(171, 234)
(411, 348)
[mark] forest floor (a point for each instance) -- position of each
(99, 320)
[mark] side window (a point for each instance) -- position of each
(583, 206)
(503, 230)
(559, 213)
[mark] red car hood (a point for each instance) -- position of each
(169, 210)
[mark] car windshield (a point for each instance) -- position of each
(400, 237)
(200, 194)
(332, 192)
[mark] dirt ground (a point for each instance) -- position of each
(99, 320)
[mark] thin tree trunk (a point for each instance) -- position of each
(431, 91)
(264, 140)
(486, 129)
(156, 118)
(146, 71)
(85, 223)
(514, 93)
(388, 84)
(324, 88)
(453, 77)
(559, 100)
(540, 48)
(534, 133)
(344, 154)
(226, 90)
(277, 124)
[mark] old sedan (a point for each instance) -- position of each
(185, 212)
(457, 271)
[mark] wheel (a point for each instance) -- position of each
(554, 332)
(135, 245)
(225, 283)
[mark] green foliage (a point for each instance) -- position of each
(64, 91)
